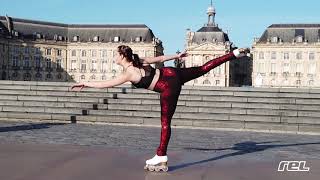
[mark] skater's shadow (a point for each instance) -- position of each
(241, 148)
(26, 127)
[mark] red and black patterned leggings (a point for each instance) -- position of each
(169, 87)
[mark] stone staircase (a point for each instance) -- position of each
(246, 108)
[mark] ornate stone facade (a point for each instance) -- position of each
(45, 51)
(287, 55)
(211, 42)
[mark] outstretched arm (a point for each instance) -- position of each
(104, 84)
(151, 60)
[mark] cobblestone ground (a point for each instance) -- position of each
(226, 144)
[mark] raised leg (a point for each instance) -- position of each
(191, 73)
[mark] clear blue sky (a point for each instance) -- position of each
(169, 19)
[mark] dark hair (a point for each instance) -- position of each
(126, 51)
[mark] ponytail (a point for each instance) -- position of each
(136, 60)
(126, 51)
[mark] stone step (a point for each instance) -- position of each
(51, 98)
(59, 96)
(252, 110)
(209, 113)
(297, 126)
(211, 91)
(52, 110)
(216, 96)
(199, 88)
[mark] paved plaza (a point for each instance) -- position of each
(45, 151)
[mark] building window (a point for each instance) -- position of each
(273, 68)
(59, 52)
(273, 55)
(26, 62)
(83, 65)
(274, 39)
(261, 55)
(217, 70)
(104, 66)
(93, 66)
(207, 82)
(38, 50)
(299, 55)
(94, 53)
(299, 68)
(299, 39)
(38, 75)
(298, 82)
(84, 53)
(16, 49)
(286, 56)
(93, 77)
(217, 82)
(73, 65)
(15, 75)
(312, 68)
(96, 38)
(15, 61)
(48, 52)
(74, 53)
(37, 59)
(286, 68)
(103, 77)
(138, 39)
(311, 82)
(59, 65)
(104, 53)
(261, 67)
(83, 77)
(49, 76)
(76, 38)
(311, 56)
(27, 76)
(116, 39)
(48, 62)
(26, 50)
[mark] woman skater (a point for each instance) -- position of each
(166, 80)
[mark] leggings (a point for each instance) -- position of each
(169, 86)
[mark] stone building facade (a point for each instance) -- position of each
(211, 42)
(287, 55)
(45, 51)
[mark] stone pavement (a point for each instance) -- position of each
(45, 151)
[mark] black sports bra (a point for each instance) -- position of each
(147, 79)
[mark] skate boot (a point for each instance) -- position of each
(157, 163)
